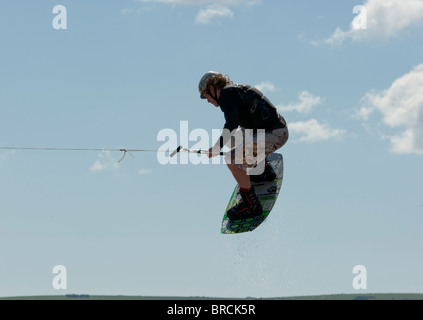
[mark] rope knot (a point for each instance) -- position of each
(124, 154)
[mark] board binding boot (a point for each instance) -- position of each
(248, 207)
(267, 175)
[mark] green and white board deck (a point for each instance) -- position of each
(267, 192)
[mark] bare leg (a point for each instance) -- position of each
(240, 176)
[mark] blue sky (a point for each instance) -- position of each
(124, 70)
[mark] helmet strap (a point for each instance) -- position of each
(214, 96)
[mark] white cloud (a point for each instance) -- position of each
(212, 12)
(104, 162)
(204, 2)
(313, 131)
(381, 19)
(215, 8)
(266, 86)
(305, 104)
(363, 113)
(401, 106)
(5, 155)
(310, 130)
(97, 166)
(144, 171)
(126, 10)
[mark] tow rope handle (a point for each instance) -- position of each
(181, 149)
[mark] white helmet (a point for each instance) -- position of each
(202, 86)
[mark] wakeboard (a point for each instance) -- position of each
(267, 192)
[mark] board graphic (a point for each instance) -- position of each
(267, 192)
